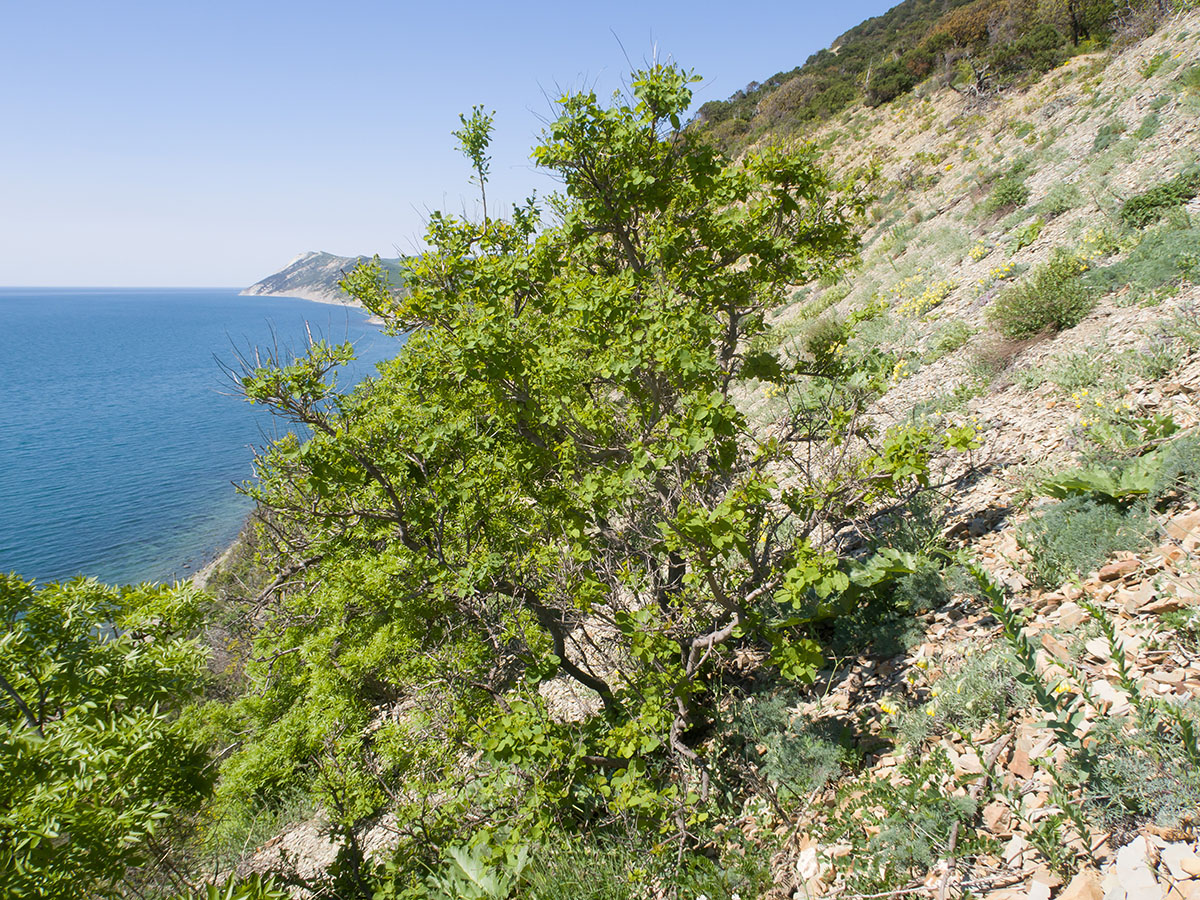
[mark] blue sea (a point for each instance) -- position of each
(122, 435)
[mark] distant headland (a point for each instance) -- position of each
(315, 276)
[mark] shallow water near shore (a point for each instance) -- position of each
(120, 431)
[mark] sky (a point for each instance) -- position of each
(190, 143)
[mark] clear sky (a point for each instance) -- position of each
(208, 142)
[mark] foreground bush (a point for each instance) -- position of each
(1051, 298)
(93, 761)
(1072, 538)
(553, 489)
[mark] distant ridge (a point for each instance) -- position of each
(314, 276)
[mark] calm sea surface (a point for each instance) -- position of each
(120, 434)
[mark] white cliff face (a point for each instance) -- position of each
(313, 276)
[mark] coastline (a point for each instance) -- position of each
(302, 294)
(314, 297)
(204, 575)
(151, 500)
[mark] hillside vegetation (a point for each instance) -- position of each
(976, 47)
(817, 522)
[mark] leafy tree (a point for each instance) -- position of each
(92, 758)
(888, 81)
(555, 479)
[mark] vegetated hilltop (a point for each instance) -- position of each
(315, 275)
(973, 46)
(680, 553)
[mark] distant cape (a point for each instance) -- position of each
(314, 276)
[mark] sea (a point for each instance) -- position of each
(122, 432)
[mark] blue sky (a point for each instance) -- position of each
(208, 143)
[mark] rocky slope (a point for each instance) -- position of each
(1113, 648)
(314, 276)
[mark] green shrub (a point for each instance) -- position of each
(897, 583)
(1142, 209)
(1153, 64)
(254, 887)
(898, 830)
(1165, 255)
(1075, 371)
(875, 627)
(1072, 538)
(1069, 373)
(831, 296)
(1151, 363)
(914, 528)
(949, 337)
(95, 760)
(1015, 218)
(1100, 167)
(1180, 472)
(638, 865)
(1109, 134)
(1051, 298)
(986, 688)
(949, 242)
(1009, 192)
(962, 582)
(1038, 48)
(1184, 326)
(1189, 78)
(895, 241)
(922, 590)
(1148, 127)
(825, 339)
(796, 756)
(888, 81)
(1131, 777)
(1062, 198)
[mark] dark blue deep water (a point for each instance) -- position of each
(120, 434)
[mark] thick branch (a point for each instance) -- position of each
(30, 718)
(553, 624)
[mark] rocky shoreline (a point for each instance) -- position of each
(314, 296)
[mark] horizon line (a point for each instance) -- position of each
(120, 287)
